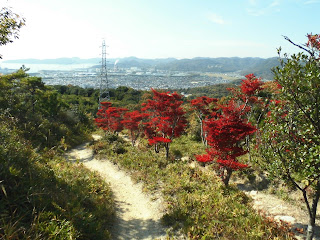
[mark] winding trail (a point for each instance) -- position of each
(137, 217)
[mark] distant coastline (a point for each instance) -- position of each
(62, 61)
(34, 67)
(261, 67)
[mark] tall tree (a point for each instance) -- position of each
(291, 134)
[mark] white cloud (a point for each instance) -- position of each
(216, 19)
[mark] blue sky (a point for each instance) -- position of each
(160, 28)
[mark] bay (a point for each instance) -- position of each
(34, 68)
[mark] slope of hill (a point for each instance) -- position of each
(259, 66)
(41, 195)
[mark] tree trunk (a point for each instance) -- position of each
(313, 213)
(227, 177)
(167, 150)
(156, 148)
(133, 140)
(248, 147)
(202, 132)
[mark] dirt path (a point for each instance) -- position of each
(137, 216)
(281, 210)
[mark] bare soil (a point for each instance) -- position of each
(137, 216)
(293, 212)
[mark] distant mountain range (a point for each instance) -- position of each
(74, 60)
(259, 66)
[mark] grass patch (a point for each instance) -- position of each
(44, 197)
(197, 203)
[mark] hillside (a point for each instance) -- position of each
(259, 66)
(41, 195)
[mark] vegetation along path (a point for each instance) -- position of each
(137, 216)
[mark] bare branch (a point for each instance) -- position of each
(299, 46)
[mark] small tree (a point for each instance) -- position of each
(291, 134)
(166, 119)
(226, 133)
(133, 122)
(203, 107)
(102, 120)
(249, 94)
(250, 87)
(109, 118)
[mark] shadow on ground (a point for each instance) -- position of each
(82, 153)
(136, 229)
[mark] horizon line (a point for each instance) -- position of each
(43, 59)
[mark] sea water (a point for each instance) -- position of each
(34, 68)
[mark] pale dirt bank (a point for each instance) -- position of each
(281, 210)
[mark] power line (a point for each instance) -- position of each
(104, 84)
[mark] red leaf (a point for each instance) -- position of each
(203, 158)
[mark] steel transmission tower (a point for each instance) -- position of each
(104, 84)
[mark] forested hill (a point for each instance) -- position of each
(259, 66)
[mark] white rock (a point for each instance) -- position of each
(192, 164)
(253, 193)
(185, 159)
(288, 219)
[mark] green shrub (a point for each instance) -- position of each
(119, 149)
(110, 138)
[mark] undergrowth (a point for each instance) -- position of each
(44, 197)
(197, 203)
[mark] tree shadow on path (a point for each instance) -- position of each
(81, 153)
(137, 229)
